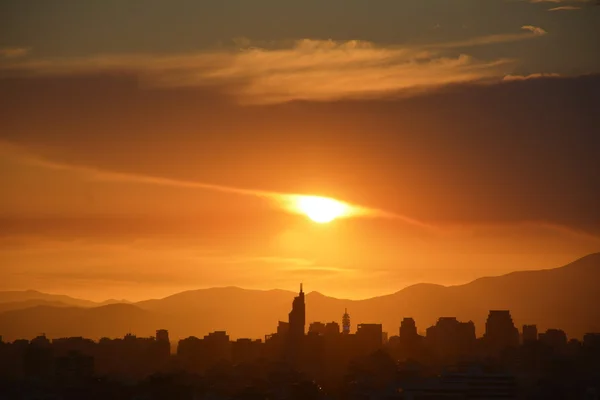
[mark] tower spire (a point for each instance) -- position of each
(346, 322)
(300, 287)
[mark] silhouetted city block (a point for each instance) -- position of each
(325, 363)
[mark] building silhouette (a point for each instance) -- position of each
(592, 340)
(346, 322)
(316, 328)
(246, 350)
(446, 363)
(450, 339)
(297, 317)
(332, 329)
(217, 347)
(74, 367)
(409, 343)
(162, 346)
(294, 338)
(369, 337)
(500, 332)
(555, 339)
(283, 328)
(408, 329)
(529, 333)
(162, 335)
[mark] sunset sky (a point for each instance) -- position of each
(150, 147)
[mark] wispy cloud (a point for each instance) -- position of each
(13, 52)
(536, 30)
(531, 76)
(284, 201)
(562, 8)
(304, 70)
(493, 39)
(565, 8)
(561, 1)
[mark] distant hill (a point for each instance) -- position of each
(107, 321)
(565, 298)
(243, 313)
(17, 300)
(20, 305)
(29, 295)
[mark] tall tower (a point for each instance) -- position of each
(346, 322)
(297, 317)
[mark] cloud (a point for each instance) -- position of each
(565, 8)
(306, 69)
(284, 201)
(13, 52)
(534, 29)
(423, 157)
(561, 1)
(531, 76)
(492, 39)
(562, 8)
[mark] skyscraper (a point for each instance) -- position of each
(294, 341)
(297, 317)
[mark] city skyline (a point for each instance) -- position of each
(328, 361)
(500, 331)
(300, 199)
(250, 313)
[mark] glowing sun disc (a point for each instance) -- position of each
(321, 209)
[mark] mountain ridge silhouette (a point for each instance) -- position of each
(551, 298)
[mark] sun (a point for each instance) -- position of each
(321, 209)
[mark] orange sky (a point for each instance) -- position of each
(134, 165)
(99, 235)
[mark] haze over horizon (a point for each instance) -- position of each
(154, 147)
(101, 301)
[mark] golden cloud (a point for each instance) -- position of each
(304, 70)
(565, 8)
(13, 52)
(536, 30)
(531, 76)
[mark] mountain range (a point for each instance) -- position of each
(564, 298)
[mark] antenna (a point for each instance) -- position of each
(300, 287)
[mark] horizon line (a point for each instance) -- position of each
(130, 302)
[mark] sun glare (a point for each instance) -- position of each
(321, 209)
